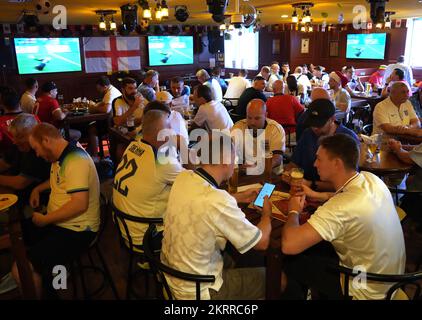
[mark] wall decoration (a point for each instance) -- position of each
(304, 48)
(276, 46)
(333, 49)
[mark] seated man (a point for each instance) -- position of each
(143, 181)
(27, 168)
(411, 203)
(108, 92)
(317, 93)
(274, 76)
(127, 109)
(254, 129)
(11, 110)
(149, 86)
(180, 92)
(377, 78)
(216, 74)
(237, 86)
(201, 219)
(176, 121)
(321, 121)
(396, 76)
(359, 220)
(354, 83)
(28, 98)
(341, 97)
(254, 92)
(395, 114)
(47, 108)
(211, 114)
(73, 211)
(205, 79)
(265, 73)
(282, 108)
(320, 76)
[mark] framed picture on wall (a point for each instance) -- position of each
(304, 48)
(220, 57)
(333, 49)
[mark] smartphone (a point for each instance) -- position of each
(267, 190)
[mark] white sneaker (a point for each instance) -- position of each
(7, 283)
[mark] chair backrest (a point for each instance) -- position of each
(122, 218)
(367, 129)
(400, 281)
(160, 269)
(235, 116)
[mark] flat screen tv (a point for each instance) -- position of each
(170, 50)
(46, 55)
(366, 46)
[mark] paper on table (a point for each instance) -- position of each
(372, 139)
(249, 186)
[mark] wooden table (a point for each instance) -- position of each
(407, 139)
(274, 256)
(118, 143)
(386, 163)
(72, 119)
(13, 240)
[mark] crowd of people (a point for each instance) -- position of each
(356, 219)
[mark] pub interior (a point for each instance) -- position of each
(210, 150)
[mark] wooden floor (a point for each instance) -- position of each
(117, 261)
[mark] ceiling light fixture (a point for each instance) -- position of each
(164, 9)
(102, 25)
(306, 12)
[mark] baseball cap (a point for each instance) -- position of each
(163, 96)
(338, 77)
(382, 67)
(319, 112)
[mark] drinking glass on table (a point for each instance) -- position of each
(296, 181)
(372, 148)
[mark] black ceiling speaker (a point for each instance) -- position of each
(377, 10)
(217, 8)
(181, 13)
(129, 16)
(215, 41)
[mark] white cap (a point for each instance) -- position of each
(164, 97)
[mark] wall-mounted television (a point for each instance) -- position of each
(170, 50)
(366, 46)
(46, 55)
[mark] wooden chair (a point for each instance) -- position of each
(160, 269)
(396, 292)
(136, 252)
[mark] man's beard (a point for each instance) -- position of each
(130, 97)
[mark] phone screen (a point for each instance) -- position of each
(266, 190)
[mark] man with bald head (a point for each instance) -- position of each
(284, 108)
(395, 114)
(143, 181)
(252, 128)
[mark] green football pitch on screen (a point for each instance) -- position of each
(46, 55)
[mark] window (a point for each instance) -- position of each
(241, 49)
(414, 43)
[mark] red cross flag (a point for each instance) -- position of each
(111, 54)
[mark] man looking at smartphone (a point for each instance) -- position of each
(128, 108)
(199, 223)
